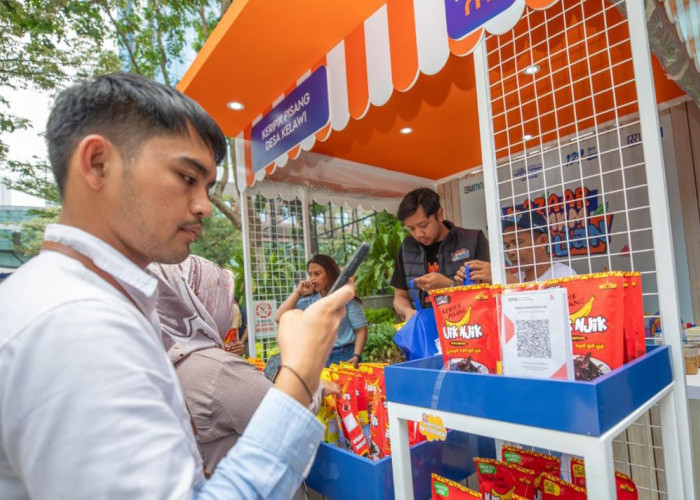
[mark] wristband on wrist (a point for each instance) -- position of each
(358, 356)
(311, 396)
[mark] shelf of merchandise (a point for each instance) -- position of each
(341, 475)
(581, 418)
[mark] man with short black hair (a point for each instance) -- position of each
(526, 244)
(90, 406)
(433, 252)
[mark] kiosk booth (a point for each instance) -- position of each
(539, 105)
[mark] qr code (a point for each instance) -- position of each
(533, 338)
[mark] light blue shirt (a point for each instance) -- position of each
(354, 319)
(90, 405)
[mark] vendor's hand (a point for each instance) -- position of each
(432, 281)
(305, 288)
(329, 388)
(480, 271)
(353, 360)
(235, 347)
(409, 314)
(305, 339)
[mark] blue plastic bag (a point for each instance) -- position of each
(418, 338)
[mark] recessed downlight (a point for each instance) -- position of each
(235, 106)
(406, 130)
(532, 69)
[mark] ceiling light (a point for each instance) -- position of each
(532, 70)
(406, 130)
(527, 137)
(235, 106)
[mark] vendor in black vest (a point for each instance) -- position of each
(433, 252)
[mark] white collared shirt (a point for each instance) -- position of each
(90, 406)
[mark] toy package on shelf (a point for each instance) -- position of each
(467, 323)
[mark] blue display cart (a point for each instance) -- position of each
(341, 475)
(572, 417)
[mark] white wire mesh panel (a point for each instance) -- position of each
(277, 261)
(568, 147)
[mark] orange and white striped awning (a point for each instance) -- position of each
(386, 52)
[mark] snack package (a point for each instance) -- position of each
(597, 318)
(539, 462)
(415, 436)
(352, 430)
(626, 489)
(258, 363)
(467, 321)
(634, 314)
(380, 445)
(501, 480)
(441, 487)
(328, 416)
(549, 487)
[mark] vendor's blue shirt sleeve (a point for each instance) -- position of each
(307, 300)
(356, 314)
(273, 455)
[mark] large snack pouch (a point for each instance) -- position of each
(351, 426)
(501, 480)
(626, 489)
(380, 444)
(539, 462)
(549, 487)
(467, 322)
(634, 313)
(441, 488)
(597, 318)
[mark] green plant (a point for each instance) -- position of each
(380, 346)
(386, 237)
(380, 315)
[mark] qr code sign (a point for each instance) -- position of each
(533, 338)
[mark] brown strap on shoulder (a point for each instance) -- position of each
(89, 264)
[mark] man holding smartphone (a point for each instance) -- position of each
(433, 252)
(90, 406)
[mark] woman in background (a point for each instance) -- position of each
(352, 331)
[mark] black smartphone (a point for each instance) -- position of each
(351, 267)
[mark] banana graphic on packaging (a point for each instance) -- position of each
(462, 322)
(584, 311)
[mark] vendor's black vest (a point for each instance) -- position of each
(450, 254)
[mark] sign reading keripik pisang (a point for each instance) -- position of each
(302, 113)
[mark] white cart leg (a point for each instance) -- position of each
(672, 453)
(600, 474)
(400, 455)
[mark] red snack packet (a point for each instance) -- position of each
(578, 472)
(539, 462)
(549, 487)
(441, 487)
(626, 489)
(351, 426)
(415, 436)
(501, 480)
(634, 313)
(597, 317)
(467, 323)
(380, 445)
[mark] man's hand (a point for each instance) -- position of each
(305, 339)
(432, 281)
(330, 388)
(480, 272)
(305, 288)
(235, 347)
